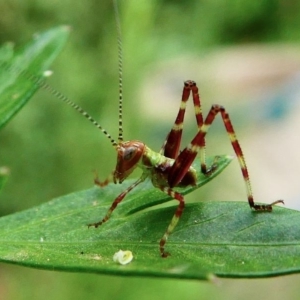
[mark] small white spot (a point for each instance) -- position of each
(41, 239)
(47, 73)
(4, 171)
(123, 257)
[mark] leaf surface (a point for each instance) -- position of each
(222, 238)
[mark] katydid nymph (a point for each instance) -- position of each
(170, 167)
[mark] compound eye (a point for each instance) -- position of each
(129, 153)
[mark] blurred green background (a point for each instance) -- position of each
(243, 54)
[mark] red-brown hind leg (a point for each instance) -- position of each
(187, 156)
(171, 145)
(215, 109)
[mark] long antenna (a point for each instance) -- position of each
(43, 84)
(120, 66)
(64, 98)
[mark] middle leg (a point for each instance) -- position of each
(175, 219)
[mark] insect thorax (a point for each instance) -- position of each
(157, 167)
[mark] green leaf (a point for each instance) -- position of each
(17, 85)
(222, 238)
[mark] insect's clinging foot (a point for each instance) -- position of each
(96, 225)
(162, 243)
(276, 202)
(266, 207)
(164, 253)
(212, 168)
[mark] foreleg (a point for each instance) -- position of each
(116, 202)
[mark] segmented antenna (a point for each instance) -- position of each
(43, 84)
(120, 66)
(64, 98)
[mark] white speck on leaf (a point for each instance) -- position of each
(123, 257)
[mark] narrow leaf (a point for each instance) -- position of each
(15, 87)
(222, 238)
